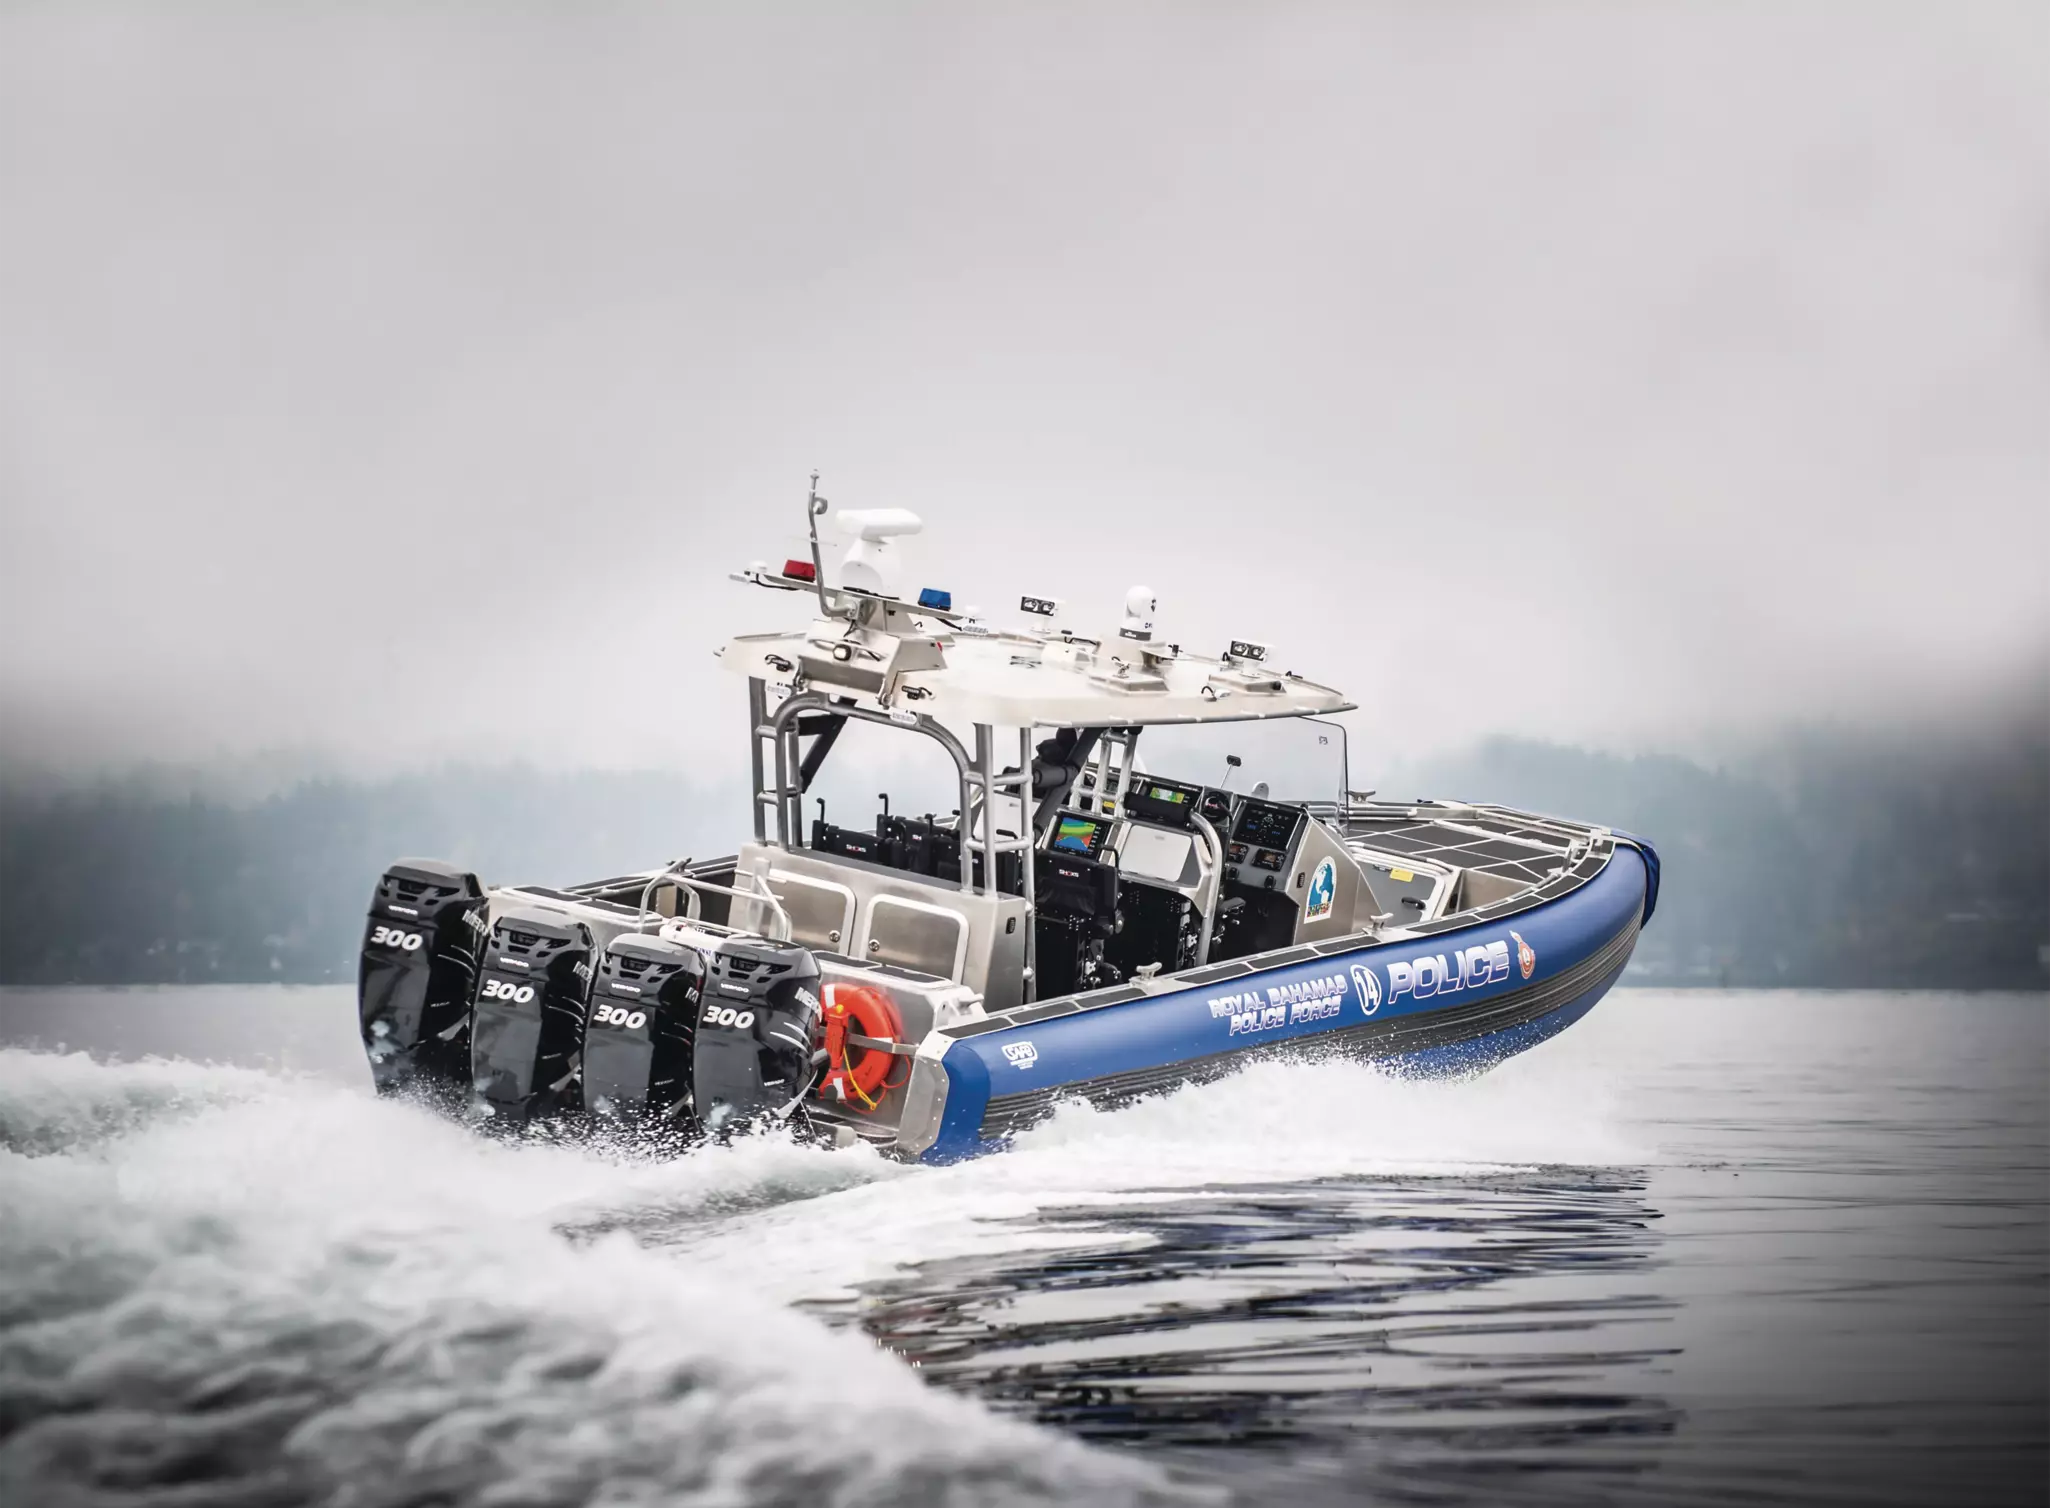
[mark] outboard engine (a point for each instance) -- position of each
(760, 1034)
(529, 1015)
(637, 1038)
(416, 974)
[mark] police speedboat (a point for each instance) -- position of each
(1086, 923)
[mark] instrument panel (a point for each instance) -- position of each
(1156, 808)
(1265, 825)
(1168, 803)
(1261, 839)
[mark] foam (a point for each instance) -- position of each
(287, 1289)
(1274, 1122)
(253, 1287)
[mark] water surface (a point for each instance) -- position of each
(1703, 1247)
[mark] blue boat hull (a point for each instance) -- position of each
(1455, 1002)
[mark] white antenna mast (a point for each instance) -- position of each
(814, 506)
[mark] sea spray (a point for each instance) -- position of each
(297, 1293)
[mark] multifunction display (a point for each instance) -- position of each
(1082, 835)
(1166, 802)
(1265, 825)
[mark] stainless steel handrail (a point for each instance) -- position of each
(777, 727)
(690, 885)
(1215, 844)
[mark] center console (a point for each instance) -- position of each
(1261, 841)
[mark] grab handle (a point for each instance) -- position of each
(693, 909)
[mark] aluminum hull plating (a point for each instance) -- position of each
(1438, 1004)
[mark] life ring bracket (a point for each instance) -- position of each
(864, 1040)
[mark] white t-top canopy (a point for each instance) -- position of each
(893, 656)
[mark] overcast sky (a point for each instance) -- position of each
(384, 387)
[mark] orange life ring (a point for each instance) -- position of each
(853, 1072)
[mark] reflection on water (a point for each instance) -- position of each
(1405, 1336)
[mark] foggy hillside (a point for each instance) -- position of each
(1819, 860)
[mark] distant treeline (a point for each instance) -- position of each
(125, 885)
(1825, 862)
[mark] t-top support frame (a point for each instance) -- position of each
(773, 746)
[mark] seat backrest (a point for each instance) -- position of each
(1067, 884)
(1010, 868)
(847, 842)
(916, 845)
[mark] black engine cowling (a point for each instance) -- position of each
(638, 1036)
(416, 974)
(528, 1021)
(760, 1029)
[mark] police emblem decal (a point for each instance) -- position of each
(1367, 987)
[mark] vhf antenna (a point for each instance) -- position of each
(813, 507)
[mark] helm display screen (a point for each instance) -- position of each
(1083, 835)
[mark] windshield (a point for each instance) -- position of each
(1296, 758)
